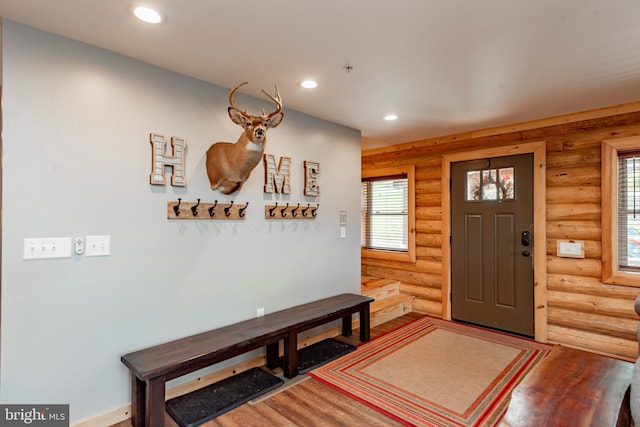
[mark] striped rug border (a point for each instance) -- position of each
(345, 375)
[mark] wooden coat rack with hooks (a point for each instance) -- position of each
(206, 211)
(291, 211)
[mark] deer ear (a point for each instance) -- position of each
(275, 120)
(236, 116)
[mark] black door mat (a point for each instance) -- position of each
(205, 404)
(318, 354)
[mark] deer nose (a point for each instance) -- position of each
(259, 132)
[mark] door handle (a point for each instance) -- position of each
(526, 253)
(526, 238)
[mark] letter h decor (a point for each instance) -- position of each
(159, 159)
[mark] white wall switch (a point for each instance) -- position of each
(260, 312)
(98, 246)
(47, 247)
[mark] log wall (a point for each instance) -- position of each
(582, 312)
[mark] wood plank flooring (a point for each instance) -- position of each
(308, 403)
(311, 403)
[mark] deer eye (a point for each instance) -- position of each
(248, 124)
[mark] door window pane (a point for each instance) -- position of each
(473, 185)
(506, 184)
(490, 185)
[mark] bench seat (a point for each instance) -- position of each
(152, 367)
(572, 388)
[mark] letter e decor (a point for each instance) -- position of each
(228, 164)
(159, 159)
(311, 171)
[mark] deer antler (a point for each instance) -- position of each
(232, 100)
(228, 164)
(277, 100)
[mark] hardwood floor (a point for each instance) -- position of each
(307, 403)
(311, 403)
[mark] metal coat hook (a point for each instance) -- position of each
(176, 208)
(227, 209)
(200, 208)
(283, 211)
(272, 209)
(241, 211)
(211, 210)
(194, 209)
(304, 211)
(293, 212)
(313, 211)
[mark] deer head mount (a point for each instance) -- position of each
(230, 164)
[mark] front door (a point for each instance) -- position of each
(492, 243)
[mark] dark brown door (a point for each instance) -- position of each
(492, 243)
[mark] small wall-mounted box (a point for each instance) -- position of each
(570, 248)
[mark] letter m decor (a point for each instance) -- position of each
(277, 178)
(159, 159)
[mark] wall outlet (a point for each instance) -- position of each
(260, 312)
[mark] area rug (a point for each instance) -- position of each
(433, 372)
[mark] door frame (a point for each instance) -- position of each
(539, 225)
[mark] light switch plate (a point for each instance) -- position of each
(47, 247)
(98, 246)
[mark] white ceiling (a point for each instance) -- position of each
(443, 66)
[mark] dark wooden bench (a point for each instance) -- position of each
(152, 367)
(572, 388)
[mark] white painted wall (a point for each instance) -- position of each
(77, 160)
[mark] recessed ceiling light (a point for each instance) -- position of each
(308, 84)
(147, 14)
(391, 117)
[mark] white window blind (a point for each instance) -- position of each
(629, 210)
(385, 213)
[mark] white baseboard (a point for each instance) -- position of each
(123, 413)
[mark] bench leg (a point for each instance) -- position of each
(155, 402)
(347, 326)
(365, 323)
(290, 365)
(138, 395)
(273, 351)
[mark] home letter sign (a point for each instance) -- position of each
(277, 178)
(159, 160)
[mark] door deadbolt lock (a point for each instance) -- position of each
(526, 253)
(526, 238)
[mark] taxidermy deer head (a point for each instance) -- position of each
(228, 164)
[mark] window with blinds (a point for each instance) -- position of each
(385, 212)
(629, 210)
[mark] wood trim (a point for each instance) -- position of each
(539, 225)
(596, 113)
(410, 255)
(609, 165)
